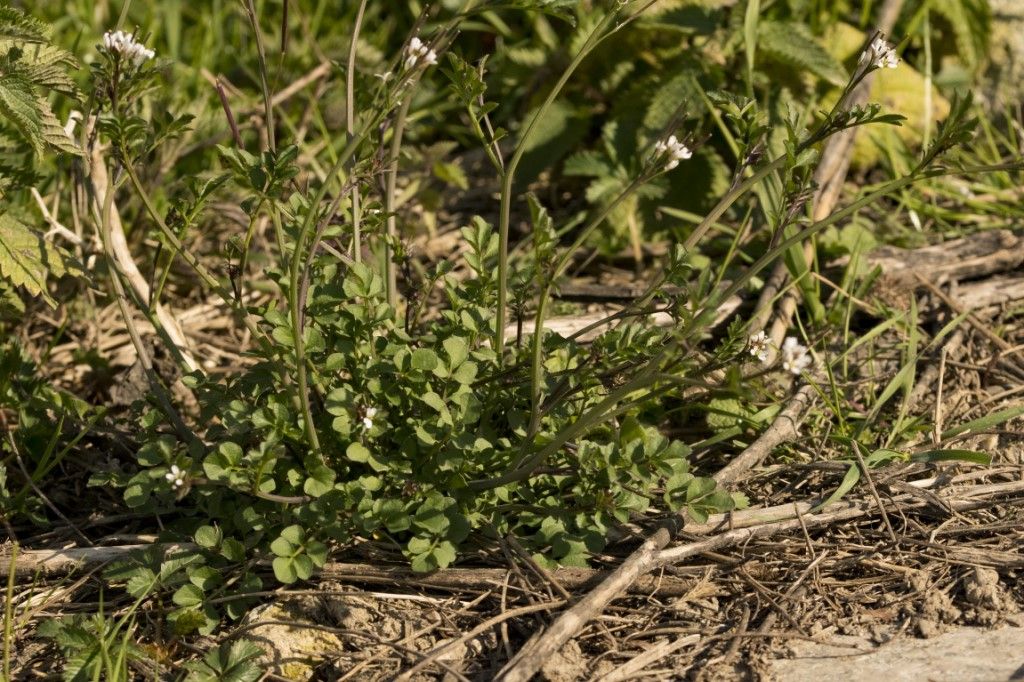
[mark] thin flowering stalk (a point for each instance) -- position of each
(189, 257)
(268, 105)
(599, 33)
(350, 127)
(612, 404)
(223, 95)
(120, 294)
(390, 272)
(537, 347)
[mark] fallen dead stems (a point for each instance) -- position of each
(649, 557)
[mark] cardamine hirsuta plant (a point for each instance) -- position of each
(420, 408)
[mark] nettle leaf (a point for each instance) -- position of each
(726, 413)
(204, 577)
(29, 64)
(141, 583)
(971, 23)
(793, 44)
(16, 26)
(27, 258)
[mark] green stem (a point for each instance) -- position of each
(188, 257)
(243, 260)
(508, 179)
(350, 125)
(268, 104)
(537, 362)
(643, 379)
(295, 271)
(390, 274)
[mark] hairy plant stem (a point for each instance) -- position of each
(398, 130)
(508, 177)
(350, 126)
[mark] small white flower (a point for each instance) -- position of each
(675, 150)
(758, 345)
(795, 357)
(368, 416)
(419, 52)
(125, 45)
(879, 55)
(176, 477)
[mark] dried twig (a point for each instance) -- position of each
(650, 556)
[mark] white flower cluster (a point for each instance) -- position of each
(125, 45)
(419, 52)
(795, 357)
(759, 345)
(176, 477)
(675, 150)
(368, 414)
(879, 55)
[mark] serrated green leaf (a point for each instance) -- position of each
(793, 44)
(188, 595)
(27, 259)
